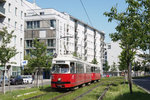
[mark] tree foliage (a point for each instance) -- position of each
(6, 51)
(75, 54)
(137, 66)
(94, 61)
(38, 57)
(132, 30)
(106, 66)
(114, 67)
(123, 58)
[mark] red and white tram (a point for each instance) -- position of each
(68, 72)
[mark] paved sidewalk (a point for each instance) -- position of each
(17, 87)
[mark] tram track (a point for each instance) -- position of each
(60, 96)
(78, 97)
(64, 94)
(104, 92)
(106, 89)
(83, 94)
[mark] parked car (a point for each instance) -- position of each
(6, 81)
(16, 80)
(27, 79)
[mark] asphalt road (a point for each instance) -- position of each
(16, 87)
(144, 83)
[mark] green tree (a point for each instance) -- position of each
(113, 67)
(122, 59)
(137, 66)
(94, 61)
(128, 31)
(75, 54)
(106, 66)
(6, 51)
(38, 58)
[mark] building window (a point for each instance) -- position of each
(21, 14)
(50, 51)
(21, 27)
(51, 42)
(16, 11)
(15, 25)
(27, 52)
(25, 14)
(9, 9)
(36, 24)
(14, 40)
(33, 24)
(29, 43)
(29, 24)
(8, 22)
(21, 2)
(20, 42)
(53, 23)
(109, 46)
(41, 13)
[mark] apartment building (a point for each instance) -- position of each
(12, 14)
(63, 34)
(113, 51)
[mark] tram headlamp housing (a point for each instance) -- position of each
(59, 79)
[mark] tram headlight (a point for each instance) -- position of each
(59, 79)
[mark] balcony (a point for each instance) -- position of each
(2, 12)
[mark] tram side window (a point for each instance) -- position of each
(80, 68)
(93, 69)
(97, 70)
(72, 67)
(77, 68)
(60, 68)
(88, 69)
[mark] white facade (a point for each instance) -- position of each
(71, 35)
(12, 16)
(113, 51)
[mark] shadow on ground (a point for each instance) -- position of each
(49, 89)
(134, 96)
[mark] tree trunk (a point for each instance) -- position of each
(9, 80)
(38, 78)
(4, 78)
(129, 78)
(42, 77)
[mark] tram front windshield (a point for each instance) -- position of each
(60, 68)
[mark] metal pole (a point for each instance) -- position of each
(81, 48)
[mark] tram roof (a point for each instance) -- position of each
(66, 57)
(72, 58)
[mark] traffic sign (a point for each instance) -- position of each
(25, 62)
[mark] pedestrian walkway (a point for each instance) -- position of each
(17, 87)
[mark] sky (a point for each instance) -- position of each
(94, 8)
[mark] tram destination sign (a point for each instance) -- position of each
(60, 62)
